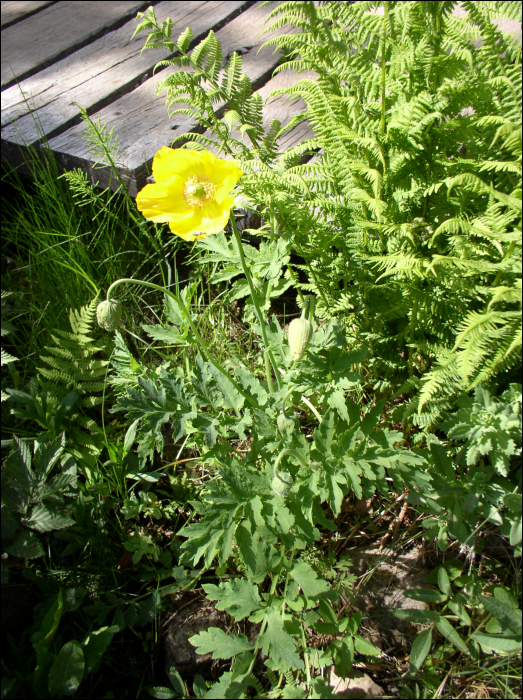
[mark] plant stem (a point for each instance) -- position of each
(198, 337)
(261, 319)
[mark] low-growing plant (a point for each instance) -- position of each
(72, 384)
(33, 499)
(476, 470)
(461, 619)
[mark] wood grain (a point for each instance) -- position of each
(141, 120)
(57, 31)
(12, 12)
(94, 76)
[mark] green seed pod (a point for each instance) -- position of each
(281, 483)
(108, 314)
(286, 424)
(300, 331)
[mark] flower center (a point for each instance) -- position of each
(198, 191)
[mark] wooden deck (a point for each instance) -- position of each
(65, 52)
(57, 53)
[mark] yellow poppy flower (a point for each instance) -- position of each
(190, 192)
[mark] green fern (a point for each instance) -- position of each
(72, 363)
(62, 397)
(407, 215)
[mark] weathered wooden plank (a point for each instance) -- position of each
(94, 76)
(57, 31)
(140, 118)
(12, 11)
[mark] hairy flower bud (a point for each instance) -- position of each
(281, 483)
(108, 314)
(300, 331)
(285, 423)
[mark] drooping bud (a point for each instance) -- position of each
(108, 314)
(300, 332)
(281, 483)
(285, 423)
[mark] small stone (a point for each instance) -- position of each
(359, 686)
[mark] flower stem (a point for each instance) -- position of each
(198, 337)
(261, 319)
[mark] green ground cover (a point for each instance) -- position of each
(224, 423)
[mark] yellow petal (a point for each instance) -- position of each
(215, 216)
(224, 174)
(183, 226)
(169, 162)
(164, 202)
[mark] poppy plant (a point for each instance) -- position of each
(190, 192)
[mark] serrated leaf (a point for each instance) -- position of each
(44, 519)
(513, 501)
(252, 384)
(239, 597)
(510, 619)
(219, 643)
(324, 436)
(67, 671)
(419, 651)
(232, 397)
(167, 334)
(177, 682)
(450, 634)
(278, 643)
(26, 545)
(308, 580)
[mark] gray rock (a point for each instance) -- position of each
(179, 652)
(384, 578)
(359, 686)
(192, 619)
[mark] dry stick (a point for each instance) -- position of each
(376, 519)
(393, 528)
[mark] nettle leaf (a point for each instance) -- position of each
(219, 643)
(239, 597)
(26, 545)
(278, 643)
(308, 580)
(45, 518)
